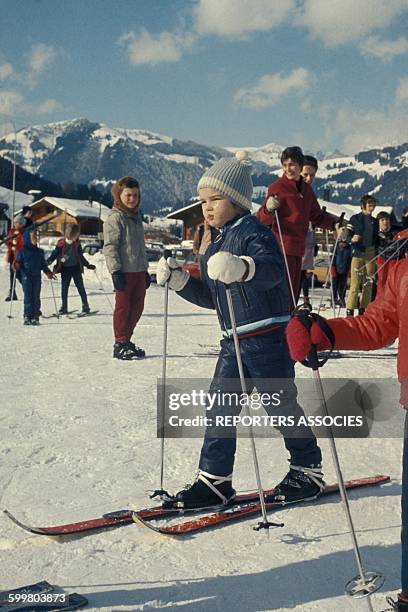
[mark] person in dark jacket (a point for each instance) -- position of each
(296, 205)
(71, 263)
(30, 261)
(341, 267)
(389, 250)
(247, 258)
(363, 229)
(14, 245)
(27, 213)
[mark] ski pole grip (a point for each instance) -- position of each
(307, 319)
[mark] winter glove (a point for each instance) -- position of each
(50, 275)
(169, 270)
(91, 267)
(119, 281)
(272, 203)
(229, 268)
(300, 340)
(148, 280)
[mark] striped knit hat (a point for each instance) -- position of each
(231, 176)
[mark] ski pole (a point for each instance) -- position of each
(292, 293)
(55, 301)
(264, 524)
(366, 582)
(13, 289)
(103, 290)
(330, 261)
(161, 491)
(371, 278)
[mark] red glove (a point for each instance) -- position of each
(300, 339)
(51, 275)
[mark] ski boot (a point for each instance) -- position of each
(361, 311)
(349, 312)
(35, 322)
(207, 491)
(125, 352)
(9, 298)
(63, 310)
(27, 321)
(300, 483)
(401, 605)
(85, 309)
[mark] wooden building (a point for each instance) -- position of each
(89, 215)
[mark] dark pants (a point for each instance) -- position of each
(340, 286)
(32, 291)
(264, 357)
(129, 306)
(404, 506)
(72, 273)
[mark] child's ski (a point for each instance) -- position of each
(120, 517)
(237, 513)
(83, 314)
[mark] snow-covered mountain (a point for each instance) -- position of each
(82, 151)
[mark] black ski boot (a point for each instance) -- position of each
(139, 352)
(123, 351)
(63, 310)
(35, 322)
(300, 483)
(85, 309)
(207, 491)
(27, 321)
(361, 311)
(8, 298)
(401, 605)
(349, 312)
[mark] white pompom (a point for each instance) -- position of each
(241, 155)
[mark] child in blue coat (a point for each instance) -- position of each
(31, 262)
(247, 258)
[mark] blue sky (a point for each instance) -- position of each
(319, 73)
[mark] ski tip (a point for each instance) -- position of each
(160, 531)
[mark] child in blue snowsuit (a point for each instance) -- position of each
(247, 258)
(31, 262)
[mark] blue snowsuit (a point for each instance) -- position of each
(261, 312)
(32, 261)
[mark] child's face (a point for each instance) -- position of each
(291, 169)
(308, 173)
(217, 209)
(130, 197)
(384, 224)
(369, 208)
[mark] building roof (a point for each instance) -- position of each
(21, 199)
(77, 208)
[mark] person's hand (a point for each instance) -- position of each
(51, 275)
(91, 267)
(300, 339)
(168, 270)
(272, 203)
(119, 281)
(356, 238)
(229, 268)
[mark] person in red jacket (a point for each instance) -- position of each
(292, 202)
(384, 320)
(14, 245)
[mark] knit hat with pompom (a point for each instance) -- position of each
(231, 176)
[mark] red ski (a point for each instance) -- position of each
(119, 518)
(236, 513)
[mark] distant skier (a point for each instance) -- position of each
(27, 213)
(247, 257)
(389, 250)
(71, 263)
(384, 320)
(309, 171)
(296, 207)
(126, 259)
(14, 245)
(30, 262)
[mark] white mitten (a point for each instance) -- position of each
(169, 270)
(272, 203)
(229, 268)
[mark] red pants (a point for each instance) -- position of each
(295, 273)
(129, 306)
(383, 271)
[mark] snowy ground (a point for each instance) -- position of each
(78, 439)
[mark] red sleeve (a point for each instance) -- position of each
(318, 217)
(263, 215)
(377, 327)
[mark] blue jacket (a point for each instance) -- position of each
(259, 303)
(357, 227)
(342, 259)
(31, 258)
